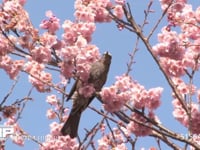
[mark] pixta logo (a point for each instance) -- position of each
(5, 131)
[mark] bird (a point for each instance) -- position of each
(97, 77)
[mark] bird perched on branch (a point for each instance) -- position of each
(97, 78)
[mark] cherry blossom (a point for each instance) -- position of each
(52, 25)
(107, 142)
(59, 142)
(12, 67)
(87, 90)
(183, 87)
(52, 100)
(118, 11)
(51, 114)
(38, 77)
(126, 90)
(169, 45)
(97, 9)
(17, 137)
(181, 115)
(153, 98)
(121, 2)
(5, 46)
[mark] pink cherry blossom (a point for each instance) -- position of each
(139, 98)
(14, 17)
(96, 8)
(48, 40)
(59, 142)
(198, 96)
(180, 114)
(85, 14)
(103, 143)
(153, 98)
(10, 121)
(86, 29)
(22, 2)
(70, 33)
(120, 2)
(195, 119)
(52, 100)
(73, 30)
(55, 128)
(165, 3)
(107, 142)
(139, 129)
(172, 67)
(118, 11)
(87, 55)
(118, 94)
(18, 139)
(67, 69)
(183, 87)
(169, 45)
(51, 114)
(39, 78)
(127, 90)
(11, 67)
(5, 46)
(11, 6)
(68, 53)
(112, 100)
(41, 54)
(52, 25)
(153, 116)
(189, 59)
(197, 14)
(81, 42)
(87, 90)
(41, 83)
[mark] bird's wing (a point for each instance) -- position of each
(73, 89)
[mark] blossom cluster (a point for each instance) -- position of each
(38, 77)
(178, 54)
(17, 137)
(179, 51)
(127, 91)
(139, 129)
(73, 53)
(12, 67)
(60, 142)
(54, 141)
(108, 142)
(96, 10)
(192, 122)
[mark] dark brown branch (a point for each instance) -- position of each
(149, 48)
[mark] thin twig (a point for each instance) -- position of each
(159, 20)
(9, 92)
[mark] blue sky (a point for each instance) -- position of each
(108, 38)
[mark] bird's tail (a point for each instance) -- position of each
(71, 125)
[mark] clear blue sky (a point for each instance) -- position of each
(108, 38)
